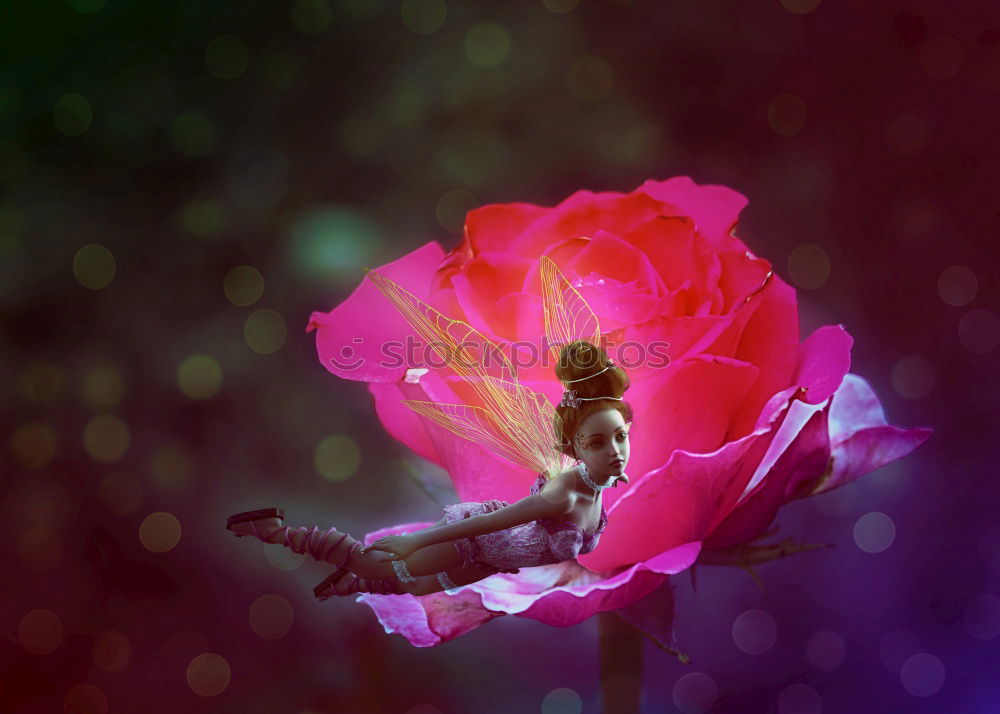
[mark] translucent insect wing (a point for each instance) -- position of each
(512, 420)
(568, 317)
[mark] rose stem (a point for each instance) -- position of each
(621, 664)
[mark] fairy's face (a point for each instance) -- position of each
(602, 442)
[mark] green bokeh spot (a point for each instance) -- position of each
(86, 7)
(72, 114)
(192, 133)
(227, 57)
(311, 17)
(423, 16)
(487, 44)
(201, 216)
(330, 243)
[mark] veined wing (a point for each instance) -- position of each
(568, 317)
(514, 421)
(478, 425)
(451, 341)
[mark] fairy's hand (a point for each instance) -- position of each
(401, 546)
(623, 478)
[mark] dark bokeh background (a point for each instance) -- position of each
(148, 149)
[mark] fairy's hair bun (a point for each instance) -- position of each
(586, 369)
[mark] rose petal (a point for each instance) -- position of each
(583, 214)
(714, 208)
(799, 462)
(862, 439)
(350, 338)
(824, 359)
(490, 229)
(686, 498)
(568, 605)
(484, 281)
(769, 340)
(679, 257)
(534, 593)
(664, 409)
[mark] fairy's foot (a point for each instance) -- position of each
(342, 583)
(264, 524)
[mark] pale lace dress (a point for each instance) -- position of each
(539, 542)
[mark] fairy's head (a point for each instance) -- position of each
(595, 430)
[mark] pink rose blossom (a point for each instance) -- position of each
(743, 419)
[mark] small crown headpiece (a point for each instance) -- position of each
(569, 398)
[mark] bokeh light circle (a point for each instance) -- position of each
(486, 44)
(171, 467)
(311, 17)
(122, 494)
(979, 331)
(989, 547)
(102, 387)
(193, 133)
(799, 698)
(755, 631)
(271, 617)
(331, 244)
(452, 208)
(265, 331)
(981, 616)
(590, 78)
(40, 631)
(913, 377)
(208, 674)
(199, 376)
(908, 133)
(227, 56)
(562, 701)
(106, 437)
(825, 650)
(243, 285)
(94, 266)
(72, 114)
(786, 114)
(43, 382)
(111, 651)
(695, 693)
(160, 532)
(560, 6)
(283, 559)
(896, 647)
(33, 445)
(808, 266)
(958, 285)
(423, 16)
(874, 532)
(201, 217)
(800, 7)
(941, 56)
(40, 549)
(86, 7)
(337, 457)
(922, 674)
(85, 698)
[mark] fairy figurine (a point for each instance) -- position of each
(563, 515)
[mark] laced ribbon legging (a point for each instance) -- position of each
(321, 547)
